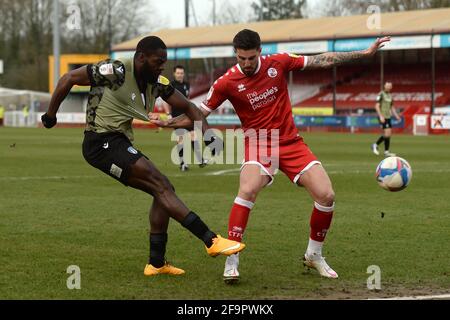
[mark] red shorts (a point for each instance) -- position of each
(292, 157)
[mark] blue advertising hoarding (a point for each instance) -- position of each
(445, 40)
(314, 121)
(342, 121)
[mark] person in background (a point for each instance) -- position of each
(385, 109)
(183, 86)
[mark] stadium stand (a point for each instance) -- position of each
(358, 86)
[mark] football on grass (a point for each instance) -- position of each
(394, 173)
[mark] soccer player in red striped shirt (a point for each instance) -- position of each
(258, 90)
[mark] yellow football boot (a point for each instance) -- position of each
(165, 269)
(224, 246)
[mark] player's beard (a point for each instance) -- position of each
(149, 75)
(249, 72)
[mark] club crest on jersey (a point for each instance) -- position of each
(241, 87)
(133, 96)
(272, 72)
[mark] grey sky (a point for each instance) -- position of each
(172, 11)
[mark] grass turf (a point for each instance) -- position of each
(57, 211)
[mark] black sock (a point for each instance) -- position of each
(208, 144)
(387, 143)
(194, 224)
(180, 152)
(158, 243)
(380, 140)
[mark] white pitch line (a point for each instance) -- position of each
(373, 171)
(218, 173)
(221, 172)
(211, 173)
(45, 178)
(441, 296)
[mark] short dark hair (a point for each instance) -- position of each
(247, 39)
(178, 66)
(150, 44)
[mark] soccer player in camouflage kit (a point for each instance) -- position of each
(122, 90)
(385, 110)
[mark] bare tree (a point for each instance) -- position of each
(25, 30)
(106, 22)
(401, 5)
(351, 7)
(230, 14)
(278, 9)
(26, 34)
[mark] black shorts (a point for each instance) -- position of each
(387, 123)
(111, 153)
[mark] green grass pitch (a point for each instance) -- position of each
(57, 211)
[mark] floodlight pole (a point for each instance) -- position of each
(186, 13)
(56, 43)
(109, 28)
(433, 73)
(214, 12)
(334, 78)
(334, 89)
(381, 70)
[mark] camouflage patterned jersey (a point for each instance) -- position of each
(114, 99)
(385, 101)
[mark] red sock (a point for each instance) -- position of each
(320, 221)
(238, 218)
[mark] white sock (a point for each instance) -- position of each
(233, 260)
(314, 248)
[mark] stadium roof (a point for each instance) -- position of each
(417, 22)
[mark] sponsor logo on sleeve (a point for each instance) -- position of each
(106, 69)
(163, 80)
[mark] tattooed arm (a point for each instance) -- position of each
(330, 59)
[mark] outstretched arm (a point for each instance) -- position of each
(75, 77)
(330, 59)
(167, 108)
(182, 121)
(191, 114)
